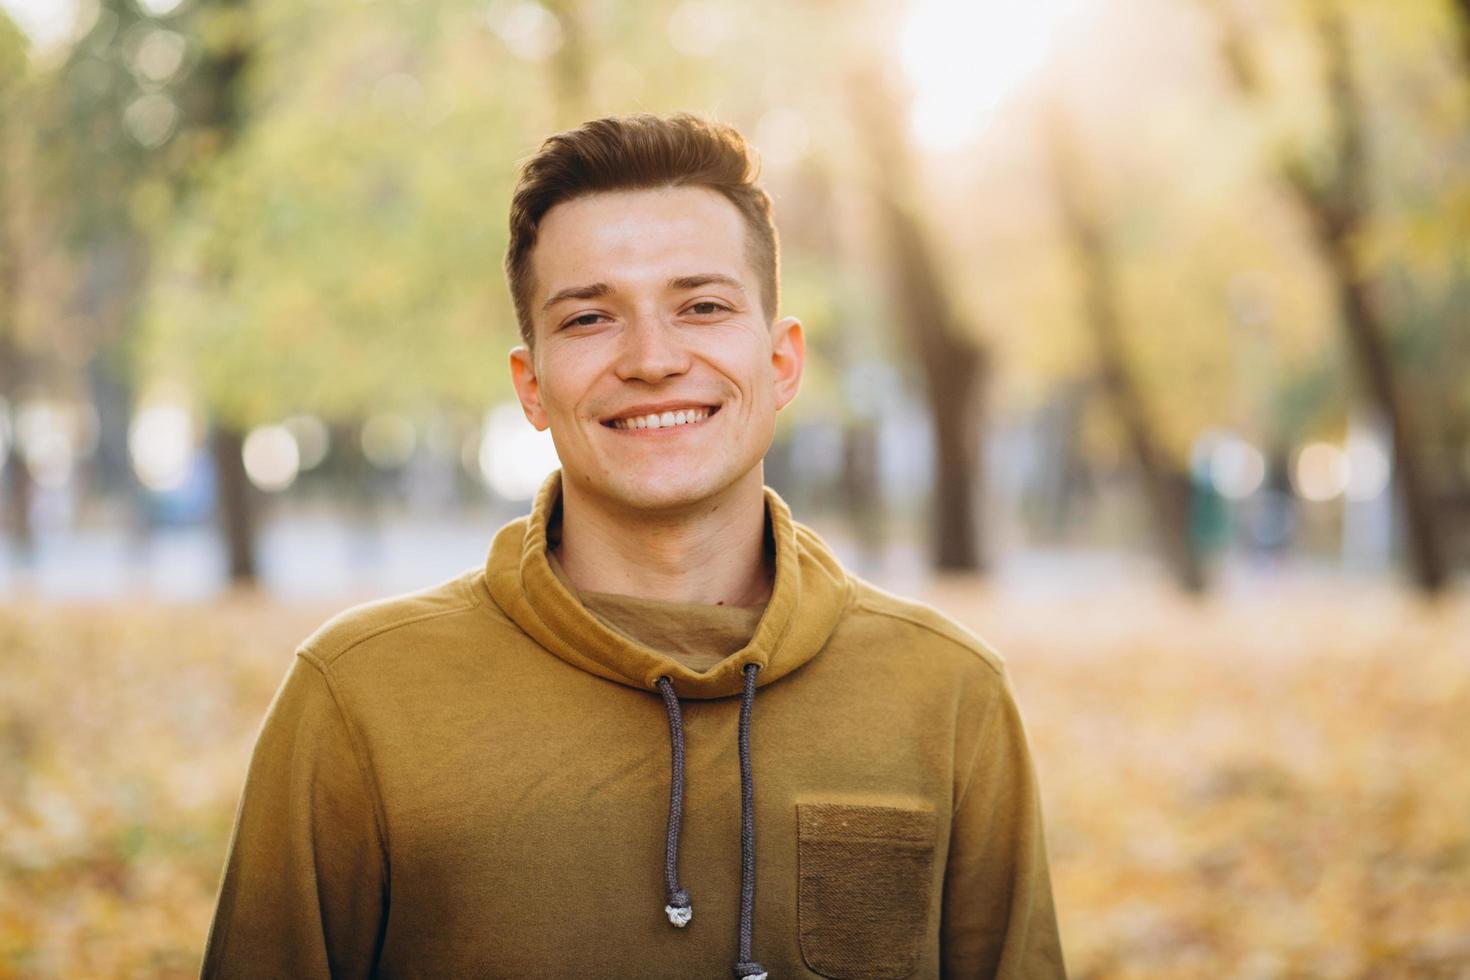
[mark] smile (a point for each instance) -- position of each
(681, 419)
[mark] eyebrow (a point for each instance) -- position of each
(599, 289)
(592, 291)
(706, 279)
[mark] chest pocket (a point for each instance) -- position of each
(864, 889)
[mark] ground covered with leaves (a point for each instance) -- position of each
(1269, 784)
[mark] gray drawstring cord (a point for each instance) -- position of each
(747, 968)
(679, 910)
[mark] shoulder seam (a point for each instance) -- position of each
(358, 754)
(328, 659)
(892, 614)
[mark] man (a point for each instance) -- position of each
(472, 780)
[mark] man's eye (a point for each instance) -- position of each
(707, 307)
(585, 320)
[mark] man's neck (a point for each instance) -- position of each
(714, 554)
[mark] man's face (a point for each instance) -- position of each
(645, 304)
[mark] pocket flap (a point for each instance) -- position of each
(851, 821)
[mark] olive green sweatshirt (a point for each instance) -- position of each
(501, 777)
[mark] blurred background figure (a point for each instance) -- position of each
(1139, 343)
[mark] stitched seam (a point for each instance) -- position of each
(479, 581)
(389, 627)
(358, 755)
(466, 581)
(846, 837)
(863, 604)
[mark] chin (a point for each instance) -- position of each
(655, 491)
(656, 494)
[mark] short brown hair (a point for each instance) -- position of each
(637, 152)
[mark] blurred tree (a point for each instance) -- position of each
(1332, 187)
(1457, 430)
(955, 366)
(1213, 333)
(570, 66)
(15, 353)
(362, 274)
(214, 118)
(1168, 490)
(1462, 9)
(148, 107)
(320, 260)
(361, 214)
(105, 126)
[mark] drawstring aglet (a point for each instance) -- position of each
(679, 910)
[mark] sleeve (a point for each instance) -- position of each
(998, 918)
(304, 890)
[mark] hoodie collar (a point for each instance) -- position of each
(807, 598)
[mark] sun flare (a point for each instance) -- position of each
(965, 57)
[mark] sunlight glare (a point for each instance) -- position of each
(161, 441)
(272, 458)
(964, 57)
(514, 457)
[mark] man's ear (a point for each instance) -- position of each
(788, 356)
(528, 387)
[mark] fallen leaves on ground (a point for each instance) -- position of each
(1273, 785)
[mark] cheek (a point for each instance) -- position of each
(747, 365)
(762, 378)
(561, 389)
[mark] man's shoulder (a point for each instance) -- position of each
(400, 617)
(923, 625)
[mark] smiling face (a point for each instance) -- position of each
(646, 310)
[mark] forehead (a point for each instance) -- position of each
(642, 234)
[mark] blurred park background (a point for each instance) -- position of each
(1140, 336)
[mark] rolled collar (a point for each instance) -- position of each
(807, 598)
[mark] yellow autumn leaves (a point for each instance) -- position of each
(1272, 783)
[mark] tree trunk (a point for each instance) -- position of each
(1166, 487)
(236, 510)
(954, 366)
(220, 112)
(1461, 13)
(1337, 209)
(571, 88)
(956, 380)
(1456, 509)
(862, 485)
(14, 364)
(1339, 215)
(1366, 335)
(18, 508)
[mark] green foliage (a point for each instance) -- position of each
(345, 255)
(13, 57)
(334, 242)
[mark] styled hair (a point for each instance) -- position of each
(638, 152)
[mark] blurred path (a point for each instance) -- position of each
(311, 558)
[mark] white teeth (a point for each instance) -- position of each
(665, 420)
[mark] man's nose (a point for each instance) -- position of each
(652, 349)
